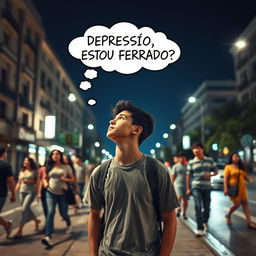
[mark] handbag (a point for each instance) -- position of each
(234, 189)
(69, 194)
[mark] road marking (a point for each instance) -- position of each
(14, 210)
(240, 214)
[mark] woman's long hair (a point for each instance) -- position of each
(50, 162)
(70, 163)
(32, 163)
(240, 163)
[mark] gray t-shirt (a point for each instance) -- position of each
(27, 187)
(181, 172)
(131, 226)
(56, 186)
(80, 171)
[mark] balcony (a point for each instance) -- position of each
(24, 102)
(7, 92)
(241, 63)
(243, 85)
(10, 18)
(30, 43)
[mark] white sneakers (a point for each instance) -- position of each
(199, 233)
(46, 241)
(69, 229)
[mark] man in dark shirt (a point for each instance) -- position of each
(6, 178)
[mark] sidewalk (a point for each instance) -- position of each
(76, 244)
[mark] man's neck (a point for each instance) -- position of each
(127, 154)
(199, 157)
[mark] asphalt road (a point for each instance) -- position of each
(237, 238)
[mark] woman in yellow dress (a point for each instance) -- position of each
(233, 172)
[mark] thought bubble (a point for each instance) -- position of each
(85, 85)
(90, 73)
(91, 102)
(124, 48)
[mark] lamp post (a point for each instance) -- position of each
(193, 100)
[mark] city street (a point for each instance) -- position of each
(237, 238)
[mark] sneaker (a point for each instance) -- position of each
(199, 233)
(205, 227)
(178, 213)
(185, 217)
(69, 229)
(46, 241)
(9, 229)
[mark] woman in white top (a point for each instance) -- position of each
(55, 180)
(27, 191)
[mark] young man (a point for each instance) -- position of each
(6, 178)
(178, 176)
(130, 218)
(200, 170)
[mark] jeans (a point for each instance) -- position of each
(81, 190)
(27, 199)
(202, 198)
(43, 202)
(52, 200)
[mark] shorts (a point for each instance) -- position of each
(181, 191)
(2, 202)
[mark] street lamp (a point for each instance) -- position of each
(193, 100)
(173, 126)
(72, 97)
(158, 145)
(90, 126)
(97, 144)
(240, 44)
(165, 135)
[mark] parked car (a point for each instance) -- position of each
(217, 181)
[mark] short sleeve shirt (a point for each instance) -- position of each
(27, 187)
(197, 168)
(130, 218)
(56, 186)
(5, 172)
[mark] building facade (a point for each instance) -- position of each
(33, 85)
(244, 57)
(209, 96)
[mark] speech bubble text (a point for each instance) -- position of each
(124, 48)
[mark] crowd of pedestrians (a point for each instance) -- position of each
(55, 183)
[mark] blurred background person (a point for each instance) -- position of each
(6, 179)
(82, 176)
(74, 186)
(56, 177)
(27, 191)
(175, 159)
(178, 176)
(235, 174)
(41, 193)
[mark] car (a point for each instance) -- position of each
(217, 182)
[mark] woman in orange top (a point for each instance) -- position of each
(235, 170)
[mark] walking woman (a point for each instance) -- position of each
(27, 191)
(56, 176)
(41, 192)
(235, 174)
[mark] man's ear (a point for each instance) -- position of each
(137, 129)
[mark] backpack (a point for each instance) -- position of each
(152, 178)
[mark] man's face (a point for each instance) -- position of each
(198, 151)
(182, 159)
(121, 126)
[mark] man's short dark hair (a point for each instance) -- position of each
(2, 151)
(197, 145)
(182, 154)
(139, 117)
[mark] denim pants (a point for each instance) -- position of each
(202, 199)
(52, 200)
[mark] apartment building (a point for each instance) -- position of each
(209, 96)
(33, 85)
(244, 57)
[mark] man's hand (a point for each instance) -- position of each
(207, 175)
(188, 192)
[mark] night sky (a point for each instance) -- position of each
(204, 31)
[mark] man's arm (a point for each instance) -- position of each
(10, 182)
(169, 232)
(94, 231)
(188, 190)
